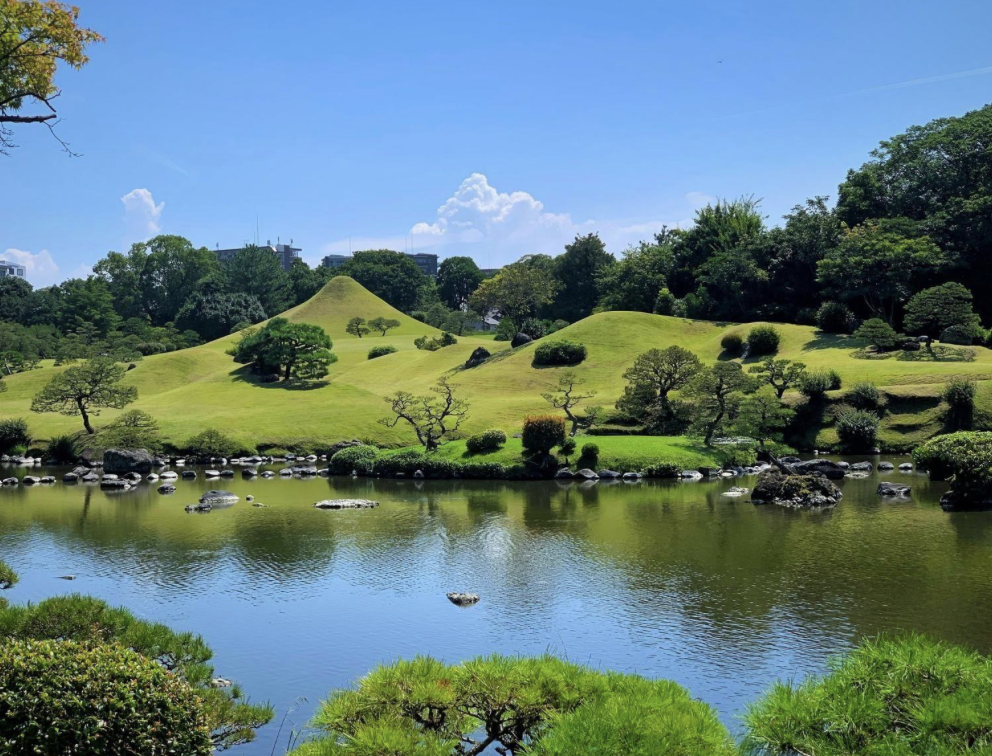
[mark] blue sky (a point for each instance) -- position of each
(469, 128)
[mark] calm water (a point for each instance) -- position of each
(665, 579)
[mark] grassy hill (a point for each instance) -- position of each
(203, 387)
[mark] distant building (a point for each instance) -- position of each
(11, 269)
(285, 252)
(427, 263)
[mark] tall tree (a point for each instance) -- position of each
(717, 392)
(653, 376)
(634, 282)
(932, 310)
(457, 278)
(85, 389)
(36, 36)
(15, 295)
(306, 281)
(87, 302)
(576, 271)
(389, 275)
(515, 292)
(257, 272)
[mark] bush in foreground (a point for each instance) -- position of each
(487, 441)
(892, 696)
(229, 718)
(542, 433)
(762, 340)
(514, 705)
(8, 578)
(959, 395)
(857, 430)
(556, 353)
(380, 351)
(13, 433)
(966, 459)
(64, 697)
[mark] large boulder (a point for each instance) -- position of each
(813, 491)
(825, 467)
(480, 355)
(128, 460)
(520, 339)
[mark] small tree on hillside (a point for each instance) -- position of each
(433, 418)
(294, 350)
(763, 417)
(566, 395)
(779, 374)
(357, 327)
(652, 377)
(382, 324)
(878, 333)
(85, 389)
(717, 392)
(932, 310)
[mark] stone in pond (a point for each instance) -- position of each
(463, 599)
(797, 491)
(346, 504)
(218, 498)
(893, 489)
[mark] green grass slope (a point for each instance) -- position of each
(203, 387)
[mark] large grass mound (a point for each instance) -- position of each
(202, 387)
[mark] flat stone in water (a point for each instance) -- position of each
(463, 599)
(346, 504)
(218, 498)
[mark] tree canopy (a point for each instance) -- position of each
(293, 350)
(86, 389)
(389, 275)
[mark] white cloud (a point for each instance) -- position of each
(40, 269)
(141, 215)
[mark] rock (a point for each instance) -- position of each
(519, 340)
(463, 599)
(249, 472)
(80, 471)
(857, 475)
(114, 485)
(48, 479)
(133, 477)
(825, 467)
(736, 491)
(813, 491)
(893, 489)
(128, 460)
(220, 682)
(346, 504)
(199, 507)
(587, 474)
(286, 472)
(906, 467)
(166, 488)
(212, 473)
(691, 475)
(609, 474)
(268, 474)
(218, 498)
(188, 475)
(790, 460)
(90, 478)
(305, 472)
(418, 474)
(168, 475)
(269, 378)
(227, 473)
(109, 476)
(67, 577)
(843, 465)
(10, 482)
(258, 504)
(151, 477)
(861, 467)
(480, 355)
(30, 480)
(632, 476)
(564, 474)
(885, 466)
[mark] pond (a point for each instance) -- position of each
(665, 579)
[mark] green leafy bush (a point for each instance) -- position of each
(505, 331)
(230, 720)
(738, 456)
(589, 455)
(8, 578)
(857, 430)
(878, 333)
(213, 443)
(663, 470)
(965, 458)
(133, 429)
(959, 395)
(381, 351)
(962, 335)
(360, 459)
(815, 384)
(487, 441)
(732, 343)
(864, 396)
(637, 717)
(834, 317)
(408, 462)
(893, 696)
(62, 449)
(64, 697)
(542, 433)
(433, 343)
(13, 433)
(562, 352)
(762, 340)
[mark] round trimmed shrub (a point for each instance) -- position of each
(762, 340)
(542, 433)
(589, 456)
(560, 352)
(816, 384)
(864, 396)
(360, 459)
(958, 334)
(487, 441)
(381, 351)
(732, 343)
(959, 394)
(834, 317)
(102, 700)
(857, 430)
(966, 455)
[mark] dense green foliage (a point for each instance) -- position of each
(933, 310)
(8, 578)
(381, 351)
(652, 377)
(433, 343)
(229, 718)
(389, 275)
(292, 350)
(763, 340)
(358, 459)
(86, 389)
(13, 433)
(214, 443)
(457, 278)
(864, 396)
(857, 430)
(214, 313)
(959, 395)
(558, 353)
(834, 317)
(966, 459)
(542, 433)
(487, 441)
(732, 343)
(893, 695)
(878, 334)
(60, 696)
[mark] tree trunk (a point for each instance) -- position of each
(86, 418)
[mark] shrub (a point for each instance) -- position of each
(83, 619)
(732, 343)
(589, 456)
(665, 303)
(213, 443)
(360, 459)
(878, 333)
(738, 456)
(965, 456)
(637, 717)
(559, 353)
(8, 578)
(487, 441)
(542, 433)
(815, 384)
(102, 700)
(433, 343)
(864, 396)
(762, 340)
(663, 470)
(13, 432)
(134, 429)
(506, 330)
(892, 695)
(959, 394)
(408, 462)
(834, 317)
(63, 449)
(381, 351)
(836, 382)
(567, 448)
(857, 430)
(963, 335)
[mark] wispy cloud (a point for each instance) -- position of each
(39, 267)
